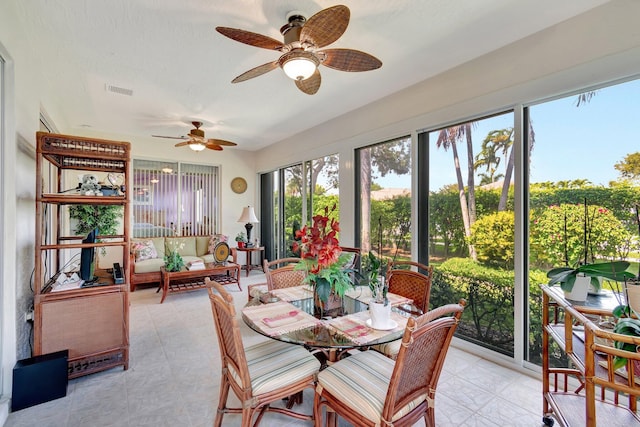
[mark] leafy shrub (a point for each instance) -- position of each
(607, 237)
(493, 237)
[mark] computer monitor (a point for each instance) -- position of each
(87, 257)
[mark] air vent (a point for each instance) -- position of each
(119, 90)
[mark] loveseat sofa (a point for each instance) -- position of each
(147, 254)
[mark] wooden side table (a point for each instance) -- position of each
(248, 253)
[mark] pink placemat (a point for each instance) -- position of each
(354, 327)
(279, 318)
(363, 294)
(295, 293)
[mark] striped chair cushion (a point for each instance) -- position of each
(361, 382)
(274, 364)
(390, 349)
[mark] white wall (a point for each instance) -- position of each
(18, 193)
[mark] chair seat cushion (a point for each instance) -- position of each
(361, 382)
(390, 349)
(275, 364)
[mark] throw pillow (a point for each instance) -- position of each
(215, 239)
(144, 250)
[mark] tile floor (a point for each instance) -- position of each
(173, 378)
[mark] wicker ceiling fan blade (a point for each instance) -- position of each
(221, 142)
(182, 144)
(211, 146)
(349, 60)
(326, 26)
(311, 85)
(170, 137)
(255, 72)
(250, 38)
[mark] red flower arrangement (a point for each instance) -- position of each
(319, 243)
(321, 256)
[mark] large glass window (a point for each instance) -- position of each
(471, 226)
(296, 193)
(384, 180)
(174, 199)
(584, 186)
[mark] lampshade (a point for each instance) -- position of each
(196, 146)
(248, 215)
(299, 65)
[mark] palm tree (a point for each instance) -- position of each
(502, 205)
(448, 138)
(497, 140)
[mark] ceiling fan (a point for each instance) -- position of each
(196, 140)
(302, 55)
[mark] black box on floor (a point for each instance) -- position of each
(39, 379)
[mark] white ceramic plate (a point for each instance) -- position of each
(392, 324)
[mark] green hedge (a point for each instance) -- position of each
(488, 319)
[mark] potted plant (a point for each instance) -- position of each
(626, 325)
(173, 260)
(86, 218)
(323, 261)
(586, 275)
(241, 239)
(567, 276)
(374, 271)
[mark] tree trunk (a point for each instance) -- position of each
(365, 197)
(471, 185)
(470, 178)
(502, 205)
(463, 200)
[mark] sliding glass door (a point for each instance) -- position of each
(471, 225)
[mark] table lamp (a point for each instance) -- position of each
(248, 217)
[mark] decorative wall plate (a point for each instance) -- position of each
(221, 252)
(238, 185)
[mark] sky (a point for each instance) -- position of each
(571, 142)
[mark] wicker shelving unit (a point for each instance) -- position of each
(92, 323)
(586, 393)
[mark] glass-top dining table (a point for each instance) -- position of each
(287, 315)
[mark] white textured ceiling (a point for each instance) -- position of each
(179, 68)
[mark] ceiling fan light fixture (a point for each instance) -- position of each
(299, 65)
(197, 146)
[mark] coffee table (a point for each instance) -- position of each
(188, 280)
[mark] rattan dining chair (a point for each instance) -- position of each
(260, 374)
(281, 273)
(404, 280)
(369, 389)
(412, 280)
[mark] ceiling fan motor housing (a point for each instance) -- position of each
(291, 30)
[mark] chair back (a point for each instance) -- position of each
(284, 274)
(355, 258)
(232, 352)
(422, 354)
(409, 283)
